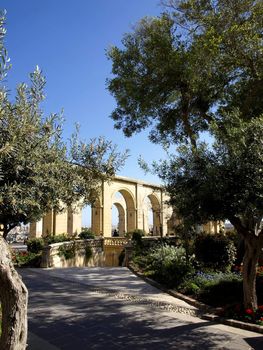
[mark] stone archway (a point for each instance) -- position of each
(121, 218)
(127, 212)
(152, 202)
(131, 215)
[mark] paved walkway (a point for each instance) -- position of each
(110, 308)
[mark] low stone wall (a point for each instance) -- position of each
(105, 252)
(53, 256)
(113, 248)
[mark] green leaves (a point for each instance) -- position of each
(38, 172)
(179, 72)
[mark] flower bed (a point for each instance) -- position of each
(26, 259)
(237, 312)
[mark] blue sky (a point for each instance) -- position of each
(68, 40)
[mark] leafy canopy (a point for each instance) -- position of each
(176, 72)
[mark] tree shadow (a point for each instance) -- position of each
(70, 316)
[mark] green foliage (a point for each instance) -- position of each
(86, 233)
(63, 237)
(198, 67)
(137, 237)
(222, 291)
(168, 265)
(35, 245)
(39, 172)
(215, 289)
(67, 251)
(88, 253)
(215, 251)
(176, 71)
(186, 235)
(26, 259)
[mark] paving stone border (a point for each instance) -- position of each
(206, 312)
(132, 298)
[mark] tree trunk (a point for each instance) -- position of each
(7, 228)
(13, 296)
(252, 252)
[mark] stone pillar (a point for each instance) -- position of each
(61, 220)
(35, 229)
(131, 219)
(49, 224)
(156, 222)
(96, 220)
(74, 221)
(140, 219)
(121, 227)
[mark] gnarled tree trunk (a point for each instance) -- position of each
(13, 297)
(253, 246)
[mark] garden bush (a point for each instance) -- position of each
(137, 240)
(35, 245)
(215, 251)
(86, 233)
(168, 265)
(88, 253)
(215, 289)
(26, 259)
(67, 251)
(63, 237)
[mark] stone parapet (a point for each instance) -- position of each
(53, 256)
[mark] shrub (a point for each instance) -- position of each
(35, 245)
(26, 259)
(88, 253)
(188, 287)
(169, 265)
(63, 237)
(137, 235)
(215, 251)
(67, 251)
(137, 239)
(86, 234)
(226, 290)
(215, 289)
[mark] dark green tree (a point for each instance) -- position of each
(199, 67)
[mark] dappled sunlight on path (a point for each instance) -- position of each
(80, 309)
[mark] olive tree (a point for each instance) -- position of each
(39, 172)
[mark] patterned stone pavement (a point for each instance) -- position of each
(111, 308)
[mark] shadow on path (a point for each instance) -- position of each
(70, 316)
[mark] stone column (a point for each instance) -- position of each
(49, 224)
(131, 220)
(35, 229)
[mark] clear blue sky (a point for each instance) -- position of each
(68, 40)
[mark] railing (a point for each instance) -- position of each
(115, 241)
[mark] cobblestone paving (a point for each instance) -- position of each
(113, 309)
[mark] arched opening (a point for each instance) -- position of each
(147, 216)
(86, 217)
(123, 212)
(118, 220)
(152, 222)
